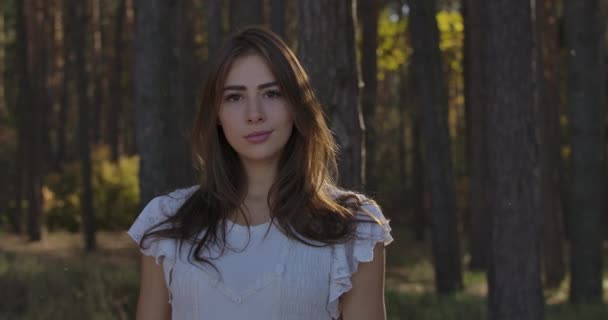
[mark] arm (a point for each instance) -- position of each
(365, 301)
(153, 293)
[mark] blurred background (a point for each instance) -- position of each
(478, 125)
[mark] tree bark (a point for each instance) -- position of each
(277, 17)
(432, 102)
(116, 88)
(515, 290)
(165, 163)
(368, 13)
(29, 100)
(214, 26)
(329, 24)
(479, 238)
(550, 146)
(245, 13)
(586, 102)
(77, 14)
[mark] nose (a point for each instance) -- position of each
(255, 112)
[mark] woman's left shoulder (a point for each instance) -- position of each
(364, 205)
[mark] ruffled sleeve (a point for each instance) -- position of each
(346, 257)
(152, 214)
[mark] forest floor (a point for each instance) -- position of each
(57, 280)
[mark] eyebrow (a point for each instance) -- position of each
(242, 88)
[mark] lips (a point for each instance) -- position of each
(258, 136)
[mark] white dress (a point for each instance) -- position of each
(265, 276)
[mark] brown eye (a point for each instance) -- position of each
(233, 97)
(272, 94)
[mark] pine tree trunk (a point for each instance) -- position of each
(586, 102)
(84, 122)
(327, 50)
(550, 147)
(432, 102)
(479, 238)
(515, 290)
(245, 13)
(165, 162)
(277, 17)
(368, 13)
(116, 88)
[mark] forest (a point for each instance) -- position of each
(479, 126)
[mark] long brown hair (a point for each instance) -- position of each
(304, 200)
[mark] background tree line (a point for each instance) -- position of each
(477, 124)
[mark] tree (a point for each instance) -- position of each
(116, 88)
(277, 17)
(368, 13)
(515, 290)
(29, 107)
(586, 104)
(245, 13)
(77, 18)
(476, 139)
(161, 142)
(550, 146)
(432, 104)
(329, 24)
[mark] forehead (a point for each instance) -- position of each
(248, 70)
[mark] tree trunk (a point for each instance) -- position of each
(214, 27)
(329, 24)
(479, 239)
(116, 88)
(368, 13)
(277, 17)
(245, 13)
(586, 104)
(77, 14)
(515, 290)
(432, 102)
(165, 163)
(550, 146)
(29, 100)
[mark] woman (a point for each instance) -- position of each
(267, 234)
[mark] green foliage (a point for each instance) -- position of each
(115, 193)
(393, 50)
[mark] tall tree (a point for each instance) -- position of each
(476, 140)
(432, 103)
(550, 146)
(76, 13)
(30, 102)
(116, 88)
(368, 20)
(586, 102)
(164, 162)
(329, 24)
(515, 290)
(277, 17)
(245, 13)
(214, 26)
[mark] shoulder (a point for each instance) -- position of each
(159, 209)
(363, 205)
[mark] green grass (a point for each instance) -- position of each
(64, 283)
(35, 288)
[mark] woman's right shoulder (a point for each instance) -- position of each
(170, 202)
(156, 212)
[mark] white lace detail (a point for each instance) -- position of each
(346, 257)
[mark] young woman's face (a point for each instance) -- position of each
(254, 115)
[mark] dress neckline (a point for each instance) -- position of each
(233, 224)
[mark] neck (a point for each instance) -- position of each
(260, 176)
